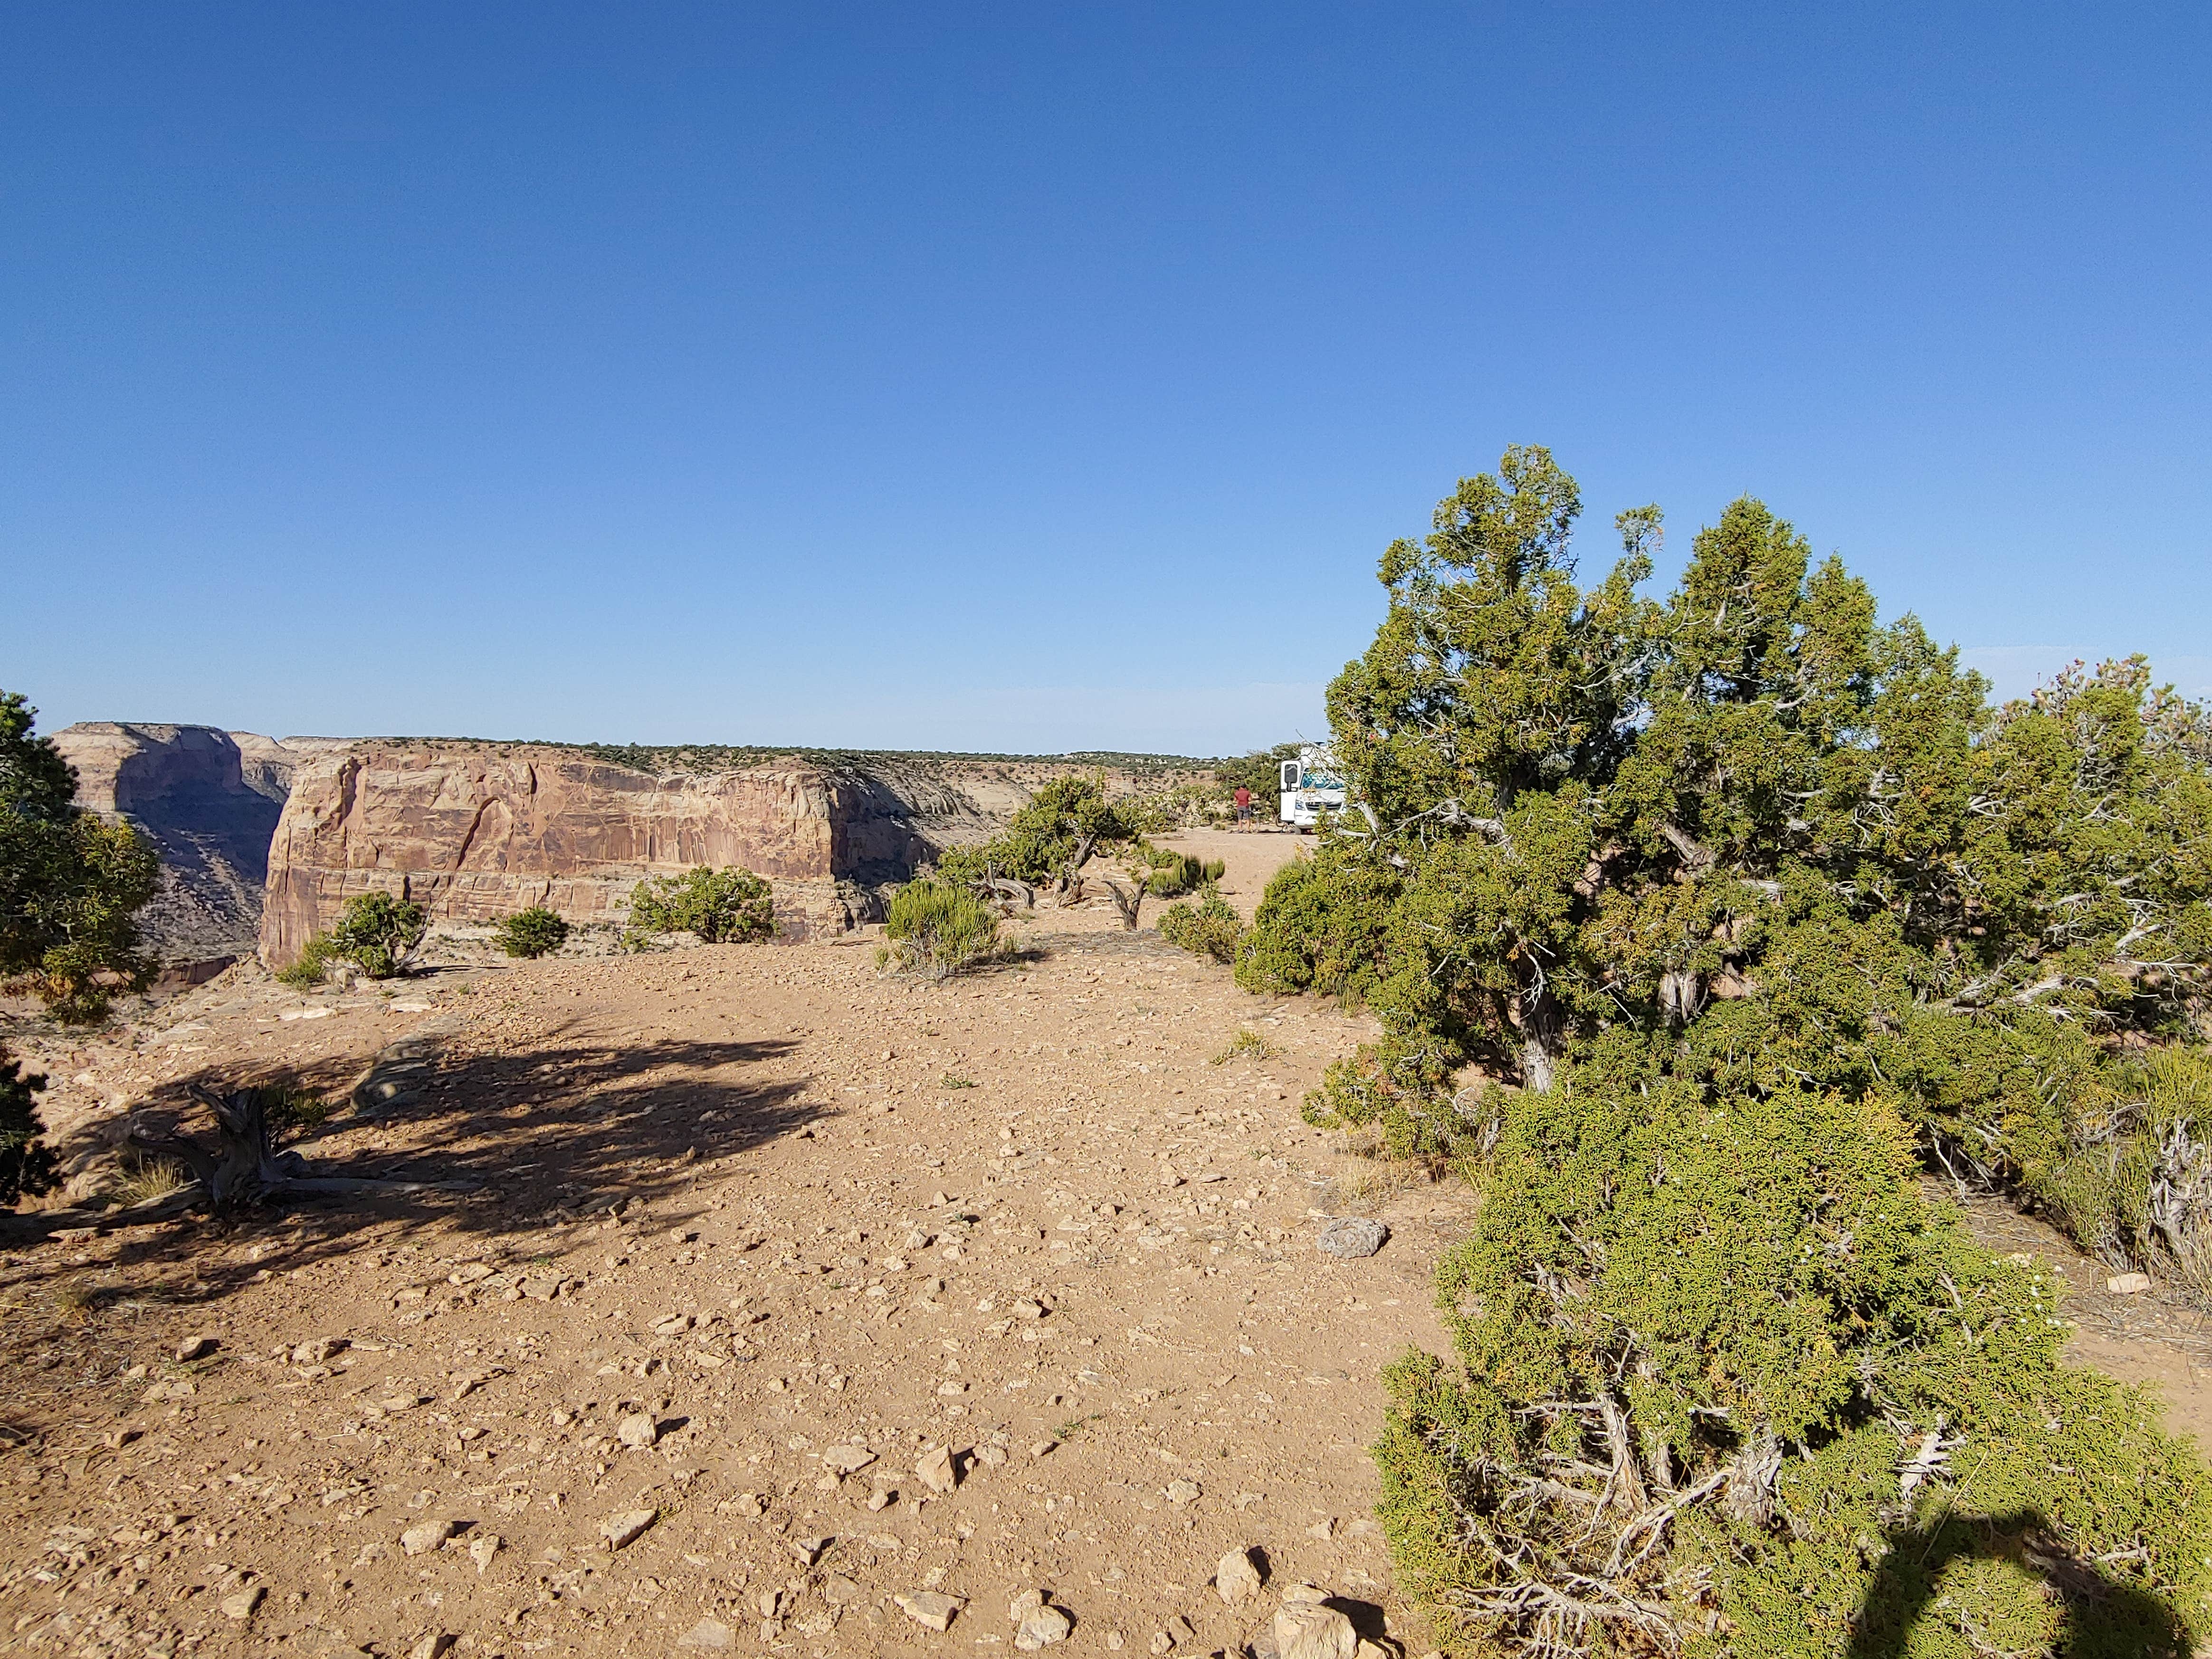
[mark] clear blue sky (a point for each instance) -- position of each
(1048, 377)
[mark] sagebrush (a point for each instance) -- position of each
(937, 928)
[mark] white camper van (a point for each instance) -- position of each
(1311, 787)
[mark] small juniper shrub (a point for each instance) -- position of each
(721, 907)
(936, 929)
(536, 931)
(1213, 929)
(312, 966)
(377, 934)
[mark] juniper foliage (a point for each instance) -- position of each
(71, 883)
(722, 906)
(1744, 899)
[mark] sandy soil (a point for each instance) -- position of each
(755, 1233)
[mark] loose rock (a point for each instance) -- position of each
(1038, 1623)
(937, 1471)
(195, 1347)
(708, 1636)
(1351, 1236)
(2127, 1283)
(1237, 1579)
(422, 1539)
(931, 1609)
(626, 1527)
(638, 1431)
(1312, 1630)
(242, 1604)
(483, 1549)
(1183, 1492)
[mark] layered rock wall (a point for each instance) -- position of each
(475, 832)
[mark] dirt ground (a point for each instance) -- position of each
(753, 1234)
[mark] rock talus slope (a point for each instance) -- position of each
(209, 799)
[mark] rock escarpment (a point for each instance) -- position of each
(209, 799)
(474, 832)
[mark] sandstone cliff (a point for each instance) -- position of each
(474, 832)
(209, 811)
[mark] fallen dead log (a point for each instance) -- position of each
(244, 1166)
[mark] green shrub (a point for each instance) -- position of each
(313, 963)
(377, 934)
(71, 883)
(536, 931)
(1323, 925)
(1752, 896)
(1053, 836)
(1723, 1382)
(722, 906)
(1172, 873)
(288, 1107)
(938, 929)
(1212, 930)
(27, 1163)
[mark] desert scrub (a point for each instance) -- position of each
(312, 965)
(1322, 925)
(377, 934)
(535, 931)
(937, 929)
(1213, 929)
(722, 906)
(1723, 1383)
(27, 1163)
(1171, 874)
(1246, 1044)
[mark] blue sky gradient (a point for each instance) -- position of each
(1015, 378)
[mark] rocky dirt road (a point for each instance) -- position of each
(793, 1310)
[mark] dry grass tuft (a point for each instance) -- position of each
(1246, 1044)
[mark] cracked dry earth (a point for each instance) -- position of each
(851, 1305)
(832, 1295)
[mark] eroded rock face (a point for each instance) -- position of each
(474, 832)
(188, 789)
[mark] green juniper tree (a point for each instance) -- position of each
(1737, 897)
(70, 883)
(70, 886)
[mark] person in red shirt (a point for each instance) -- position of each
(1244, 804)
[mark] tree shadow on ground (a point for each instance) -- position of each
(2100, 1617)
(543, 1137)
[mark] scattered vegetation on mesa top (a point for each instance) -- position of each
(720, 757)
(937, 929)
(71, 883)
(722, 906)
(535, 931)
(1746, 899)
